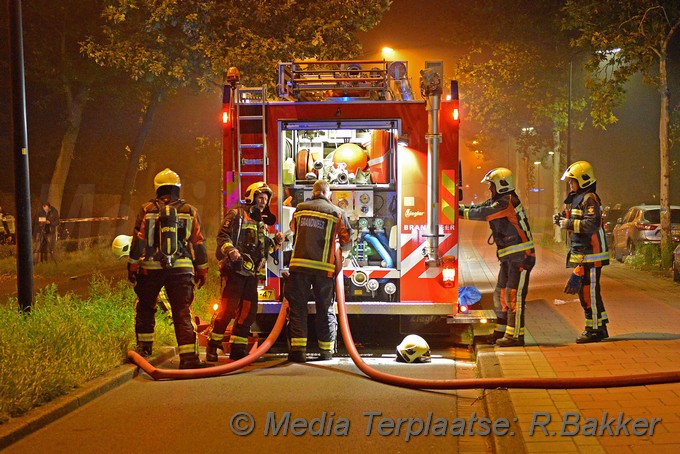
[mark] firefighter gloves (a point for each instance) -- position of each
(574, 282)
(201, 277)
(132, 272)
(556, 219)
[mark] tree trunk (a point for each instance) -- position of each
(68, 144)
(133, 164)
(664, 191)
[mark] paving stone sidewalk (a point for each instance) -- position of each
(645, 338)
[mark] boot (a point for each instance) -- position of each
(211, 350)
(496, 335)
(510, 342)
(144, 349)
(589, 336)
(297, 356)
(325, 355)
(238, 351)
(191, 361)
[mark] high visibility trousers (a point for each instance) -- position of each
(298, 288)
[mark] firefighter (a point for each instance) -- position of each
(582, 219)
(168, 250)
(243, 245)
(515, 251)
(317, 225)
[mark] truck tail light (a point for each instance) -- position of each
(225, 117)
(448, 271)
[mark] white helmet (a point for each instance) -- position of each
(413, 349)
(121, 246)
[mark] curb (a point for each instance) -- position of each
(17, 428)
(497, 401)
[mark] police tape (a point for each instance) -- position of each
(116, 218)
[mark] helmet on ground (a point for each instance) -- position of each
(582, 172)
(121, 246)
(413, 349)
(257, 188)
(501, 178)
(166, 178)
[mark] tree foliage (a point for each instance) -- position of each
(67, 79)
(171, 44)
(516, 75)
(626, 37)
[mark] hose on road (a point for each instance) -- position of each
(489, 383)
(406, 382)
(161, 374)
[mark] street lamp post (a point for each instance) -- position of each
(568, 156)
(538, 186)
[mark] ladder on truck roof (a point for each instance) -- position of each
(251, 133)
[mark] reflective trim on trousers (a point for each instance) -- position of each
(238, 340)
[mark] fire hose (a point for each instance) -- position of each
(490, 383)
(406, 382)
(160, 374)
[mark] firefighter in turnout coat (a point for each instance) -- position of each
(168, 250)
(515, 250)
(588, 252)
(243, 244)
(318, 225)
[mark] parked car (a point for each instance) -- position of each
(676, 264)
(641, 225)
(609, 217)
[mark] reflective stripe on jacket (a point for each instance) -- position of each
(584, 222)
(509, 225)
(317, 224)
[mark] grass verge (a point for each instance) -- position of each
(66, 341)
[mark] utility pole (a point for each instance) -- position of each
(18, 126)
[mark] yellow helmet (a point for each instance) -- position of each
(166, 178)
(582, 172)
(255, 189)
(501, 178)
(413, 349)
(121, 246)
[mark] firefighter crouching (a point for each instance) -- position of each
(515, 251)
(587, 248)
(168, 250)
(243, 245)
(318, 225)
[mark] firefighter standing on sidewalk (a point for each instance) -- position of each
(168, 250)
(515, 251)
(243, 245)
(588, 252)
(318, 225)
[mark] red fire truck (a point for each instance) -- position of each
(391, 159)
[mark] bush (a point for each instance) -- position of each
(647, 257)
(64, 342)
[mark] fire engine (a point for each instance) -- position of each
(392, 162)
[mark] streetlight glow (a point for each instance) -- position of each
(388, 53)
